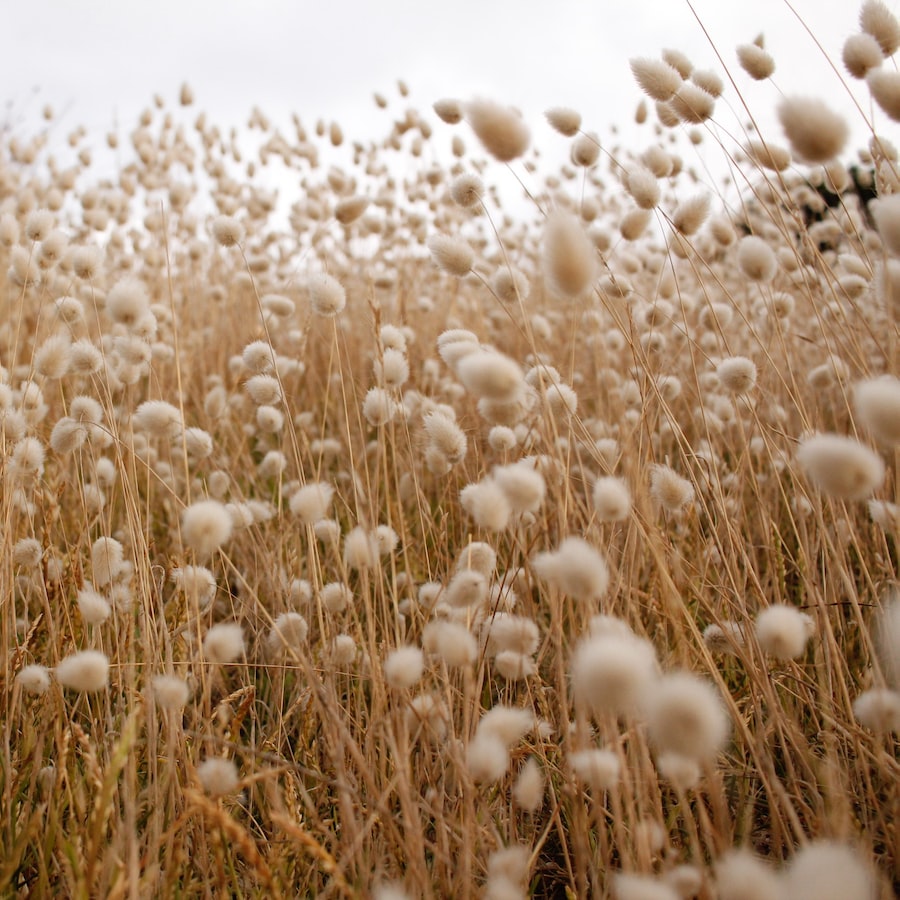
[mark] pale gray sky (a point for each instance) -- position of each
(101, 61)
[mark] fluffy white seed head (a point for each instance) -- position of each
(816, 133)
(311, 502)
(404, 667)
(523, 486)
(886, 213)
(887, 635)
(34, 679)
(258, 357)
(768, 155)
(828, 870)
(841, 466)
(467, 190)
(335, 595)
(53, 358)
(227, 231)
(643, 186)
(783, 631)
(528, 791)
(884, 85)
(876, 19)
(613, 673)
(740, 875)
(170, 692)
(569, 257)
(861, 53)
(686, 716)
(327, 295)
(477, 556)
(205, 526)
(379, 407)
(448, 110)
(691, 104)
(585, 150)
(641, 887)
(756, 61)
(349, 209)
(757, 259)
(668, 489)
(656, 78)
(466, 588)
(486, 373)
(93, 606)
(158, 419)
(878, 709)
(452, 254)
(360, 549)
(510, 285)
(127, 302)
(223, 643)
(501, 130)
(877, 406)
(86, 672)
(487, 504)
(218, 777)
(196, 583)
(598, 769)
(737, 374)
(502, 439)
(487, 758)
(575, 568)
(611, 499)
(682, 772)
(451, 642)
(445, 436)
(288, 634)
(564, 120)
(27, 553)
(509, 724)
(106, 560)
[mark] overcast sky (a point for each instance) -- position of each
(100, 61)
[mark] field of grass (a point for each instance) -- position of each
(402, 544)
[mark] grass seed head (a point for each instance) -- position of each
(611, 499)
(566, 121)
(218, 776)
(828, 870)
(783, 631)
(756, 61)
(598, 769)
(879, 710)
(741, 875)
(327, 295)
(686, 717)
(404, 667)
(656, 78)
(170, 692)
(569, 258)
(223, 643)
(861, 54)
(877, 20)
(85, 672)
(841, 466)
(206, 526)
(34, 679)
(816, 133)
(501, 130)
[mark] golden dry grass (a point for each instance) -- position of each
(350, 785)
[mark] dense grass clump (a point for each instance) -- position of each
(403, 543)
